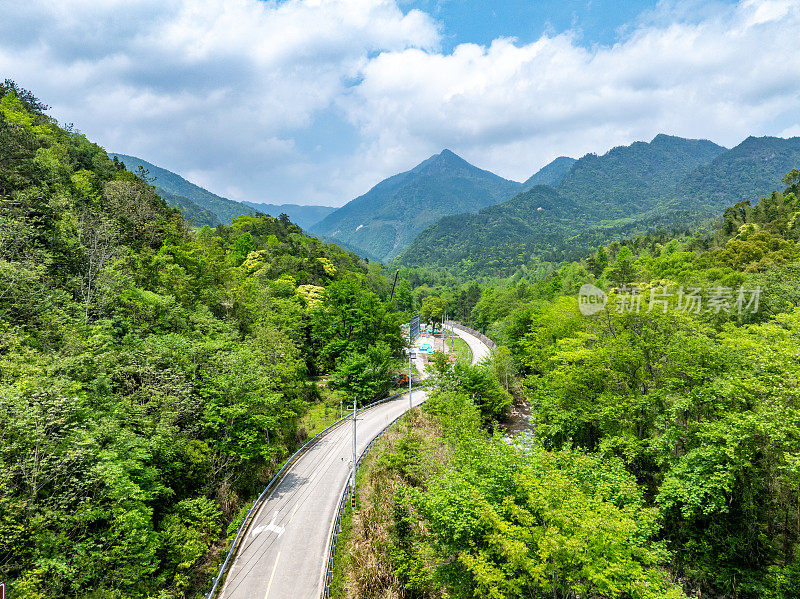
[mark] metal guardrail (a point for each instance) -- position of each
(350, 492)
(275, 479)
(457, 325)
(337, 525)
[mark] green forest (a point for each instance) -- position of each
(663, 453)
(153, 377)
(670, 185)
(156, 372)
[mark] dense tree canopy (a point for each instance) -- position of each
(664, 444)
(151, 377)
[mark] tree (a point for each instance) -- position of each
(502, 365)
(403, 296)
(621, 272)
(366, 375)
(480, 385)
(432, 310)
(350, 320)
(97, 237)
(597, 262)
(792, 180)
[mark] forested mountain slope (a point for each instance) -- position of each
(175, 185)
(743, 173)
(662, 456)
(152, 377)
(633, 179)
(498, 238)
(389, 216)
(551, 174)
(193, 213)
(630, 190)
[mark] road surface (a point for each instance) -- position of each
(478, 347)
(284, 551)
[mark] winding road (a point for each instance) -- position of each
(478, 348)
(284, 551)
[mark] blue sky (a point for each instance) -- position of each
(473, 21)
(315, 101)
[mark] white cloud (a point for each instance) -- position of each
(511, 107)
(316, 100)
(793, 131)
(216, 88)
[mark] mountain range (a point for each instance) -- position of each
(446, 212)
(386, 219)
(668, 183)
(303, 216)
(203, 207)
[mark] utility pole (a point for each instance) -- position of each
(353, 482)
(341, 409)
(410, 403)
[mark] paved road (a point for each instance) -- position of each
(478, 347)
(284, 550)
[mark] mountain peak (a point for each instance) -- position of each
(662, 137)
(446, 158)
(385, 220)
(552, 173)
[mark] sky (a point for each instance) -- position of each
(315, 101)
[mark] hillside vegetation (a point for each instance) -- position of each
(662, 457)
(152, 378)
(666, 185)
(386, 219)
(175, 188)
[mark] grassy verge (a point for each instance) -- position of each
(363, 566)
(322, 414)
(339, 578)
(319, 417)
(461, 350)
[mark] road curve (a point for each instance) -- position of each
(283, 553)
(479, 348)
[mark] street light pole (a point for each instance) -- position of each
(353, 471)
(353, 481)
(410, 403)
(450, 334)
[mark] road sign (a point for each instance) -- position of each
(414, 328)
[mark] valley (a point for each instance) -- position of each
(167, 356)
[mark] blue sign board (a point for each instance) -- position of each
(414, 328)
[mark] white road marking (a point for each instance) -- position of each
(274, 568)
(272, 527)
